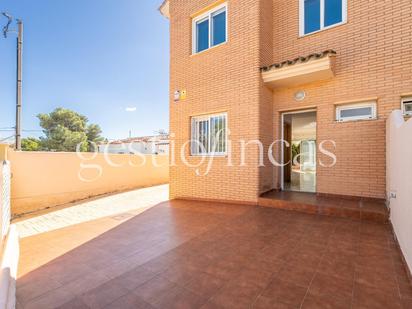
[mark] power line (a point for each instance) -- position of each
(22, 130)
(6, 138)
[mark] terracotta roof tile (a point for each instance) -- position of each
(298, 60)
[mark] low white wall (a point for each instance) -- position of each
(399, 179)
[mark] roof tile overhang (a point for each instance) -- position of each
(301, 70)
(164, 9)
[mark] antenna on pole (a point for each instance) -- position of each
(9, 21)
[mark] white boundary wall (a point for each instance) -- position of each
(399, 180)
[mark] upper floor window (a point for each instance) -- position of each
(210, 28)
(316, 15)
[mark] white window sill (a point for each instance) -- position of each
(321, 30)
(355, 120)
(206, 50)
(209, 155)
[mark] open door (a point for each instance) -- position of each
(287, 133)
(299, 130)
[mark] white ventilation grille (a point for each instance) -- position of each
(407, 106)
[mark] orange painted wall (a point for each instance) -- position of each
(46, 179)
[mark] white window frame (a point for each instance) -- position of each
(208, 118)
(208, 15)
(404, 101)
(343, 107)
(340, 108)
(322, 17)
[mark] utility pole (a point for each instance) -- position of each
(19, 76)
(19, 82)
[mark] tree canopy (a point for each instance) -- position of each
(65, 130)
(30, 144)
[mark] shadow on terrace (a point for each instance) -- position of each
(184, 254)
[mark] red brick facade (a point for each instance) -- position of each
(374, 59)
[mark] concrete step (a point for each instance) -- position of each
(373, 210)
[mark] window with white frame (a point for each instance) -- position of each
(210, 29)
(209, 135)
(407, 106)
(316, 15)
(357, 111)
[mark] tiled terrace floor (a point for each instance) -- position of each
(132, 202)
(184, 254)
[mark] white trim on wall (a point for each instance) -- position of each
(406, 101)
(208, 15)
(194, 134)
(371, 104)
(322, 17)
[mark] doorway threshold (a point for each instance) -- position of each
(345, 207)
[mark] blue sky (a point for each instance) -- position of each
(97, 57)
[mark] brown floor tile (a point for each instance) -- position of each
(236, 296)
(128, 301)
(368, 297)
(406, 303)
(285, 292)
(326, 302)
(186, 254)
(384, 280)
(263, 302)
(264, 262)
(76, 302)
(339, 268)
(326, 285)
(85, 284)
(205, 285)
(134, 278)
(180, 298)
(247, 277)
(51, 299)
(405, 290)
(222, 270)
(301, 276)
(104, 294)
(374, 262)
(35, 287)
(155, 289)
(180, 274)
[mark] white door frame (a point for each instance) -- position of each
(282, 154)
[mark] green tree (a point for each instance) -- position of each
(65, 130)
(93, 132)
(30, 144)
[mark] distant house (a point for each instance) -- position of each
(158, 144)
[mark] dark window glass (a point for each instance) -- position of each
(219, 28)
(312, 15)
(333, 12)
(356, 112)
(408, 107)
(202, 35)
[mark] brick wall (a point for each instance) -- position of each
(221, 79)
(374, 60)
